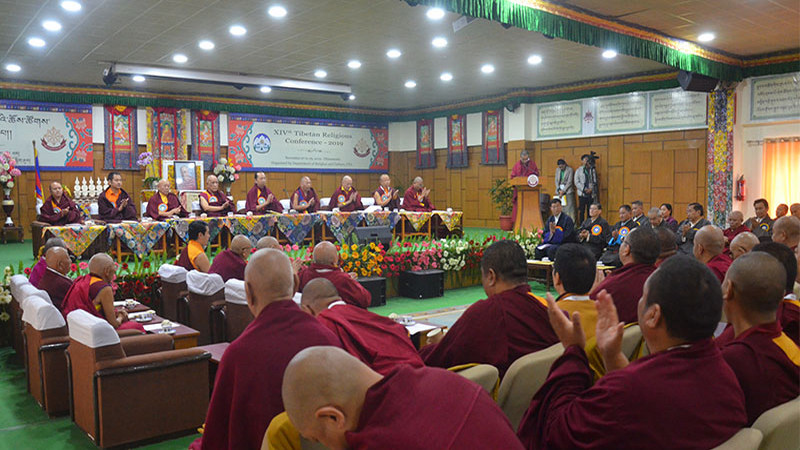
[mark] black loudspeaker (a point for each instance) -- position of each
(695, 82)
(421, 283)
(377, 289)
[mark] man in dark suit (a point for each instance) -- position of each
(595, 231)
(559, 229)
(689, 227)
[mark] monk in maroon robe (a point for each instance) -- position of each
(346, 197)
(55, 280)
(379, 342)
(164, 204)
(260, 199)
(231, 263)
(40, 267)
(416, 197)
(326, 265)
(683, 395)
(763, 358)
(709, 248)
(247, 392)
(386, 196)
(509, 324)
(59, 209)
(638, 252)
(735, 227)
(334, 398)
(305, 198)
(114, 204)
(789, 309)
(525, 167)
(213, 202)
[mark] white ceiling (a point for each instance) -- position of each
(326, 34)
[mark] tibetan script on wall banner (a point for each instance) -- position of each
(775, 97)
(559, 119)
(621, 113)
(677, 109)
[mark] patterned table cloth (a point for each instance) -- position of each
(140, 237)
(296, 226)
(382, 218)
(417, 219)
(342, 224)
(254, 227)
(450, 219)
(215, 224)
(77, 237)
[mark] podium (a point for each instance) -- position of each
(529, 217)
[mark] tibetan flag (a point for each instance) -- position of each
(39, 195)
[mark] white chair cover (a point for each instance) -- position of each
(143, 209)
(17, 281)
(286, 203)
(27, 291)
(324, 202)
(42, 315)
(367, 201)
(372, 208)
(240, 204)
(234, 292)
(297, 297)
(172, 274)
(401, 201)
(93, 209)
(196, 205)
(90, 330)
(204, 283)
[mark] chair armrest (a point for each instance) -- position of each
(148, 343)
(54, 343)
(150, 361)
(217, 305)
(125, 333)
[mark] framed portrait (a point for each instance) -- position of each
(184, 175)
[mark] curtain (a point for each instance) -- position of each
(781, 176)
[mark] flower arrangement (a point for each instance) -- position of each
(301, 256)
(8, 170)
(144, 161)
(226, 172)
(364, 260)
(5, 301)
(529, 240)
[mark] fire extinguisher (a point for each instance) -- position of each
(740, 188)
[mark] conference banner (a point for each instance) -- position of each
(258, 142)
(62, 133)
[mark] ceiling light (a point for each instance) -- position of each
(237, 30)
(11, 67)
(354, 64)
(487, 68)
(439, 42)
(71, 5)
(265, 89)
(277, 11)
(36, 42)
(435, 13)
(394, 53)
(411, 84)
(138, 78)
(534, 59)
(51, 25)
(179, 58)
(206, 45)
(320, 73)
(351, 97)
(706, 37)
(608, 54)
(446, 76)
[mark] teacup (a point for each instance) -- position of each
(130, 303)
(230, 214)
(449, 210)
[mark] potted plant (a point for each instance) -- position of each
(503, 197)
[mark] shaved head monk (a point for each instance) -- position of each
(335, 399)
(247, 392)
(59, 209)
(683, 395)
(416, 197)
(55, 280)
(305, 199)
(326, 265)
(735, 227)
(164, 204)
(638, 253)
(743, 243)
(786, 231)
(789, 309)
(213, 202)
(764, 359)
(93, 294)
(669, 247)
(41, 266)
(385, 196)
(230, 263)
(510, 323)
(346, 197)
(268, 242)
(193, 256)
(260, 199)
(709, 249)
(379, 342)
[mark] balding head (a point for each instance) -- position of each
(347, 182)
(794, 210)
(325, 253)
(318, 294)
(241, 245)
(323, 393)
(708, 243)
(103, 266)
(668, 244)
(53, 242)
(57, 258)
(268, 242)
(418, 183)
(786, 231)
(735, 219)
(754, 287)
(268, 278)
(743, 243)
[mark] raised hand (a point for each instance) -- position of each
(609, 332)
(569, 332)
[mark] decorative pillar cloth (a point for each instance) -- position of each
(166, 137)
(493, 152)
(719, 154)
(121, 148)
(205, 138)
(426, 159)
(457, 141)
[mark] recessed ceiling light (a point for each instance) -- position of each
(487, 68)
(265, 89)
(394, 53)
(71, 5)
(11, 67)
(277, 11)
(351, 97)
(354, 64)
(411, 84)
(36, 42)
(51, 25)
(138, 78)
(206, 45)
(446, 76)
(237, 30)
(435, 13)
(439, 42)
(608, 54)
(179, 58)
(706, 37)
(534, 59)
(320, 73)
